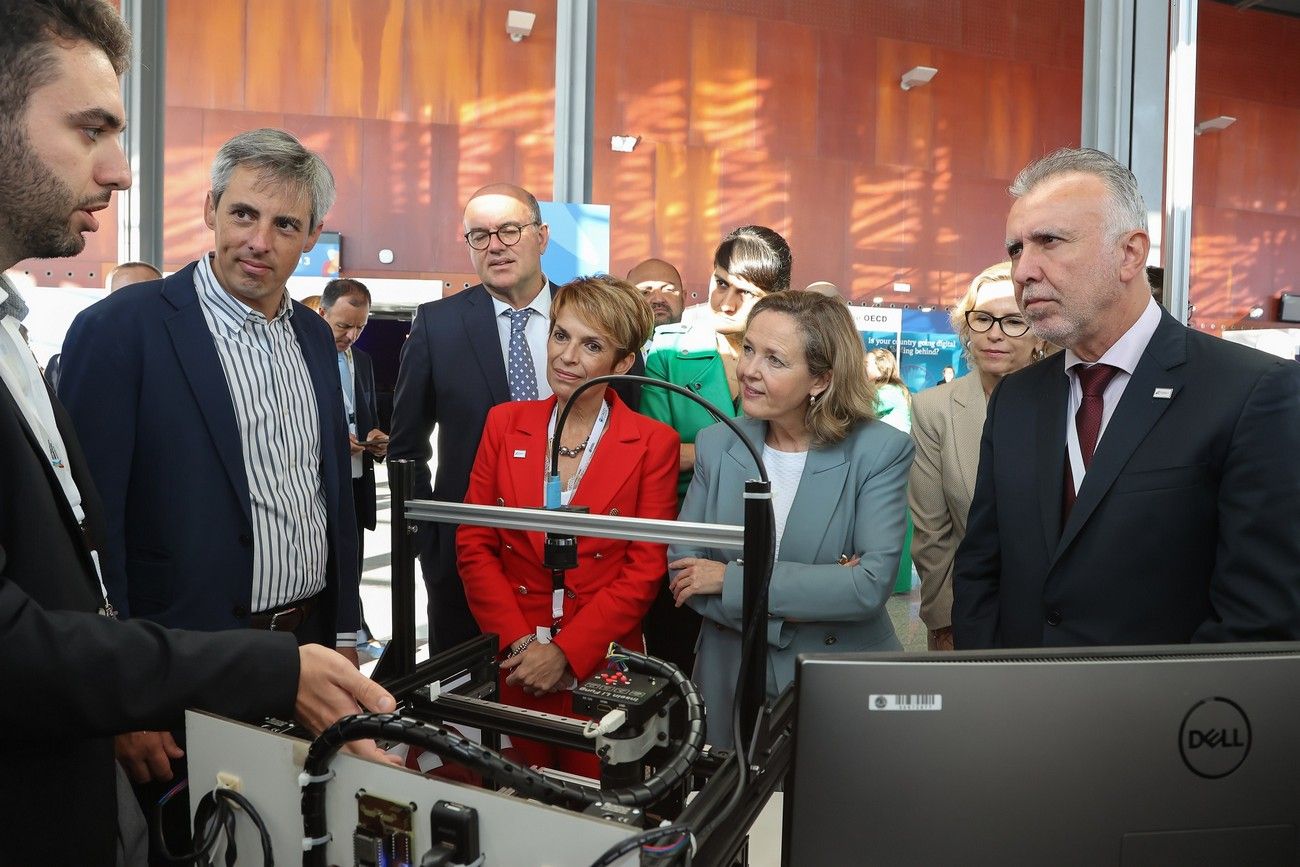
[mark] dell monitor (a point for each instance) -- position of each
(1111, 756)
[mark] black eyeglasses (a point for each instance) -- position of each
(510, 233)
(1012, 326)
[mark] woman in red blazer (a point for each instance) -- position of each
(613, 461)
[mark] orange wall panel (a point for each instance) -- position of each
(286, 60)
(723, 84)
(207, 53)
(788, 97)
(441, 41)
(364, 73)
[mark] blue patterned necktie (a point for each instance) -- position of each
(519, 367)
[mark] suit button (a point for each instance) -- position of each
(523, 591)
(1053, 618)
(829, 640)
(245, 540)
(239, 611)
(718, 626)
(500, 502)
(614, 512)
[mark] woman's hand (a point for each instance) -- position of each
(698, 577)
(538, 670)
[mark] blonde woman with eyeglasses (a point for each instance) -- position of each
(946, 425)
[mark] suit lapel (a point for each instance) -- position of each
(1137, 413)
(1052, 404)
(197, 355)
(968, 408)
(10, 405)
(480, 324)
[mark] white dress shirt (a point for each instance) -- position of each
(1124, 354)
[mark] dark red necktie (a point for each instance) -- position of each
(1087, 421)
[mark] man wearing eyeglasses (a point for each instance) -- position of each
(1140, 487)
(661, 286)
(467, 353)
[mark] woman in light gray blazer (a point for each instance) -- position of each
(947, 422)
(839, 491)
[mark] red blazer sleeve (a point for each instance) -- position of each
(488, 589)
(626, 585)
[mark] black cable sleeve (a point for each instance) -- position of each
(490, 763)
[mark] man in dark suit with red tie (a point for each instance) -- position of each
(1142, 486)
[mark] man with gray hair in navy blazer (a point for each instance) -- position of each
(1142, 486)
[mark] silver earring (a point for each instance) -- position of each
(812, 399)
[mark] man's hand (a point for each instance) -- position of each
(329, 688)
(147, 756)
(538, 670)
(354, 448)
(377, 443)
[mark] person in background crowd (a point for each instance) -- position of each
(894, 407)
(893, 400)
(1140, 487)
(611, 460)
(948, 375)
(126, 274)
(72, 674)
(312, 302)
(946, 426)
(345, 307)
(661, 286)
(823, 287)
(465, 354)
(839, 495)
(130, 273)
(750, 263)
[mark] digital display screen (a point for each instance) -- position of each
(323, 259)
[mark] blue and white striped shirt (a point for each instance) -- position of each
(279, 432)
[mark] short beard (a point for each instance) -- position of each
(35, 205)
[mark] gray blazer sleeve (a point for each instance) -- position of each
(852, 500)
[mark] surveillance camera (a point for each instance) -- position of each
(917, 75)
(519, 24)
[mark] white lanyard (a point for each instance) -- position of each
(566, 495)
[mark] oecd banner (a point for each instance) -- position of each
(923, 343)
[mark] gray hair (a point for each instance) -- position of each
(277, 155)
(1126, 211)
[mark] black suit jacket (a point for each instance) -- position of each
(451, 374)
(70, 678)
(1187, 524)
(363, 387)
(144, 385)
